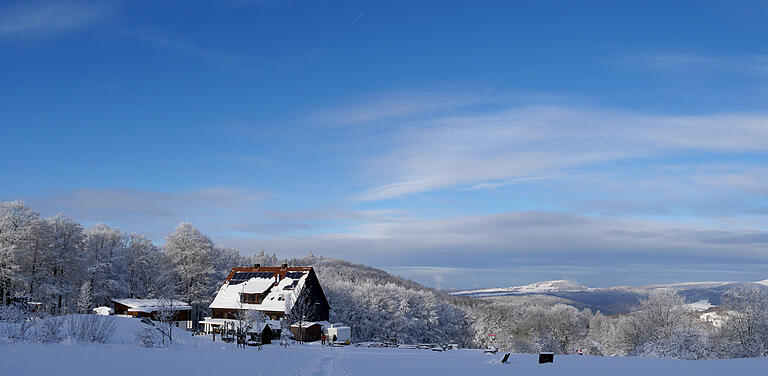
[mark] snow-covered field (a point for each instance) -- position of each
(194, 356)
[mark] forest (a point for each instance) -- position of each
(70, 268)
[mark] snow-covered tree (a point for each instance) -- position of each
(564, 323)
(16, 223)
(142, 261)
(66, 262)
(263, 259)
(105, 261)
(84, 300)
(190, 254)
(747, 324)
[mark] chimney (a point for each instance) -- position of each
(256, 266)
(285, 266)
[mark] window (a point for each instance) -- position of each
(248, 298)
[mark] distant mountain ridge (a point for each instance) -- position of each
(537, 287)
(609, 300)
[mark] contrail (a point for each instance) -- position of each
(358, 17)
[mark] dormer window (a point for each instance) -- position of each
(249, 298)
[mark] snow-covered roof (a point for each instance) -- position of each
(279, 298)
(151, 305)
(103, 311)
(307, 324)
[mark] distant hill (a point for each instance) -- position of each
(609, 300)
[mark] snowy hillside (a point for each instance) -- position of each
(200, 356)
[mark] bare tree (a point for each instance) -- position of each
(166, 314)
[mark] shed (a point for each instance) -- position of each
(150, 308)
(308, 331)
(265, 335)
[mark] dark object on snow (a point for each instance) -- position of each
(241, 340)
(264, 337)
(506, 358)
(546, 357)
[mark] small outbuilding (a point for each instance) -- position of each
(308, 331)
(265, 334)
(151, 307)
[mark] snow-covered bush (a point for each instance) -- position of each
(16, 324)
(148, 337)
(90, 328)
(49, 329)
(690, 344)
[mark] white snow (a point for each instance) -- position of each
(699, 306)
(715, 318)
(103, 311)
(199, 356)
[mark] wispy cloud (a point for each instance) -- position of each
(170, 42)
(753, 179)
(152, 211)
(38, 18)
(753, 64)
(409, 104)
(501, 147)
(472, 240)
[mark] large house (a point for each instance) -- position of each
(275, 291)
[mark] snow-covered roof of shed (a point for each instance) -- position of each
(150, 305)
(307, 324)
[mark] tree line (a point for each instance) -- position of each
(69, 268)
(662, 325)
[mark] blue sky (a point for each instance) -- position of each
(460, 144)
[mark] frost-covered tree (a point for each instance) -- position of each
(601, 336)
(84, 301)
(105, 261)
(263, 259)
(142, 260)
(379, 306)
(226, 258)
(66, 264)
(656, 319)
(190, 254)
(7, 273)
(33, 268)
(564, 323)
(747, 324)
(16, 223)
